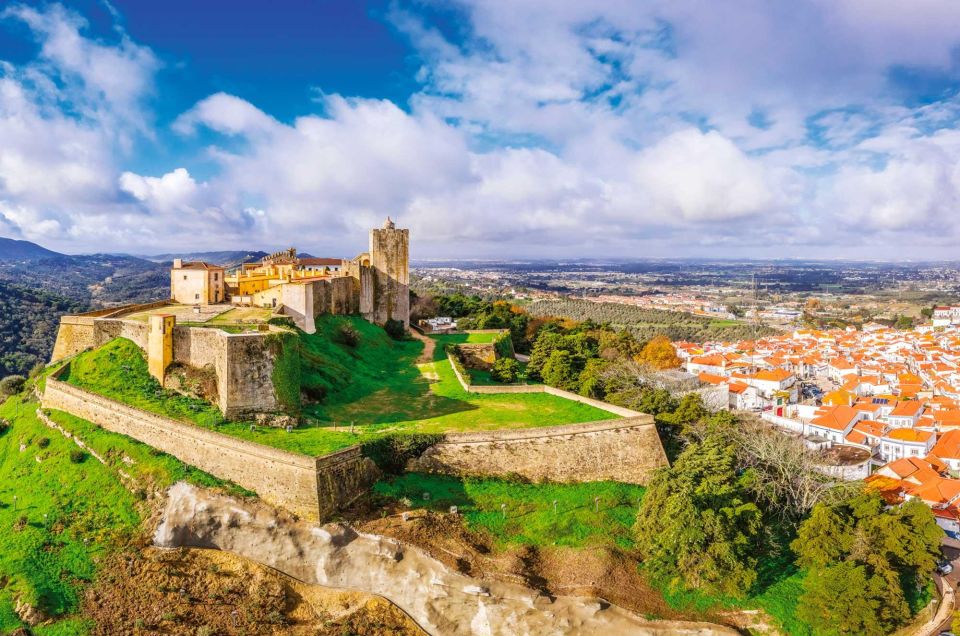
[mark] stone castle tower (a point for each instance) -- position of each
(385, 284)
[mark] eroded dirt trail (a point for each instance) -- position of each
(439, 599)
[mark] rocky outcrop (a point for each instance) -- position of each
(439, 599)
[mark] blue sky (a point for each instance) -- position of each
(491, 128)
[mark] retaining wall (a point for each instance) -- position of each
(309, 486)
(626, 449)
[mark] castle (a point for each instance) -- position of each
(375, 284)
(247, 356)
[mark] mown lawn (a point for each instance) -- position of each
(375, 386)
(592, 514)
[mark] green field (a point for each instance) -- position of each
(375, 385)
(61, 515)
(529, 517)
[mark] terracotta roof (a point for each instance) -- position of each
(907, 408)
(327, 262)
(198, 265)
(948, 446)
(912, 435)
(837, 418)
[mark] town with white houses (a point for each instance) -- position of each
(880, 404)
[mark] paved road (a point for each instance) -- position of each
(951, 549)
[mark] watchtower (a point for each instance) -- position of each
(160, 345)
(385, 286)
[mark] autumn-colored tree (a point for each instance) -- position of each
(659, 353)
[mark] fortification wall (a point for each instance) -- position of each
(297, 301)
(338, 296)
(282, 478)
(106, 329)
(623, 449)
(80, 331)
(311, 487)
(245, 381)
(75, 335)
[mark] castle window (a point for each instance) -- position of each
(196, 296)
(184, 277)
(216, 276)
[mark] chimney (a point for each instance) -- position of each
(177, 263)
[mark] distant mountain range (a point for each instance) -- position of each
(228, 259)
(38, 285)
(12, 249)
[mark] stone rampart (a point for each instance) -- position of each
(627, 449)
(75, 335)
(311, 487)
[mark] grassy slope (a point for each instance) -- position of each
(74, 514)
(89, 512)
(530, 518)
(376, 385)
(118, 370)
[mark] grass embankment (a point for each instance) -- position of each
(69, 512)
(118, 370)
(374, 384)
(529, 517)
(778, 598)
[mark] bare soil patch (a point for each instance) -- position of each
(190, 591)
(607, 573)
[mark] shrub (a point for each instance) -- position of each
(395, 329)
(348, 335)
(78, 456)
(12, 385)
(505, 370)
(392, 452)
(43, 442)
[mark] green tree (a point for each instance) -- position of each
(845, 585)
(696, 527)
(592, 383)
(888, 552)
(559, 370)
(505, 370)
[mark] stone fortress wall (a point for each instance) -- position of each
(312, 487)
(243, 362)
(626, 449)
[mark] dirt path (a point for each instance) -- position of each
(439, 599)
(429, 344)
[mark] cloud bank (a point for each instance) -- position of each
(542, 129)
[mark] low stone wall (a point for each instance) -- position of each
(311, 487)
(478, 355)
(627, 449)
